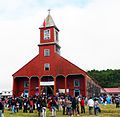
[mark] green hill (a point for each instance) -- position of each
(106, 78)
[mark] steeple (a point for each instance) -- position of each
(48, 22)
(49, 36)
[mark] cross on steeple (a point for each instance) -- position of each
(49, 11)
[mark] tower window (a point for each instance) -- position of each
(46, 66)
(57, 49)
(46, 34)
(46, 52)
(56, 32)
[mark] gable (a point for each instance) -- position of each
(67, 67)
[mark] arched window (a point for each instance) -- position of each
(76, 83)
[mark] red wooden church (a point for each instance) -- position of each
(49, 72)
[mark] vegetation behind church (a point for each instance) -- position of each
(106, 78)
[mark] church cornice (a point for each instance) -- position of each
(49, 43)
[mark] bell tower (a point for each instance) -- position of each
(49, 36)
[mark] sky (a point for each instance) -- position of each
(89, 33)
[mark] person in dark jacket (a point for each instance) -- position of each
(25, 105)
(44, 105)
(53, 104)
(117, 102)
(74, 106)
(64, 106)
(39, 106)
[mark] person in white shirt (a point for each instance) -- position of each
(90, 105)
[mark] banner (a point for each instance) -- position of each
(47, 83)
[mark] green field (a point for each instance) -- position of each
(106, 111)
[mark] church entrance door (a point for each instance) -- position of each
(47, 85)
(48, 90)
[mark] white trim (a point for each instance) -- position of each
(49, 43)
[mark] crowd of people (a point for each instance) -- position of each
(68, 105)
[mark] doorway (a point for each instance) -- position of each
(48, 90)
(76, 92)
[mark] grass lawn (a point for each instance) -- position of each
(106, 111)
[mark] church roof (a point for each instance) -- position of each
(62, 66)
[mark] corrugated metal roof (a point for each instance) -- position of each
(112, 90)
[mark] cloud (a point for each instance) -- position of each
(62, 3)
(91, 38)
(11, 9)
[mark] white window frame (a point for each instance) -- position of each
(47, 66)
(47, 34)
(46, 52)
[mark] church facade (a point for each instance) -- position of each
(49, 72)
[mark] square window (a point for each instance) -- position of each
(46, 52)
(57, 49)
(46, 66)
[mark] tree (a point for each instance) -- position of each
(106, 78)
